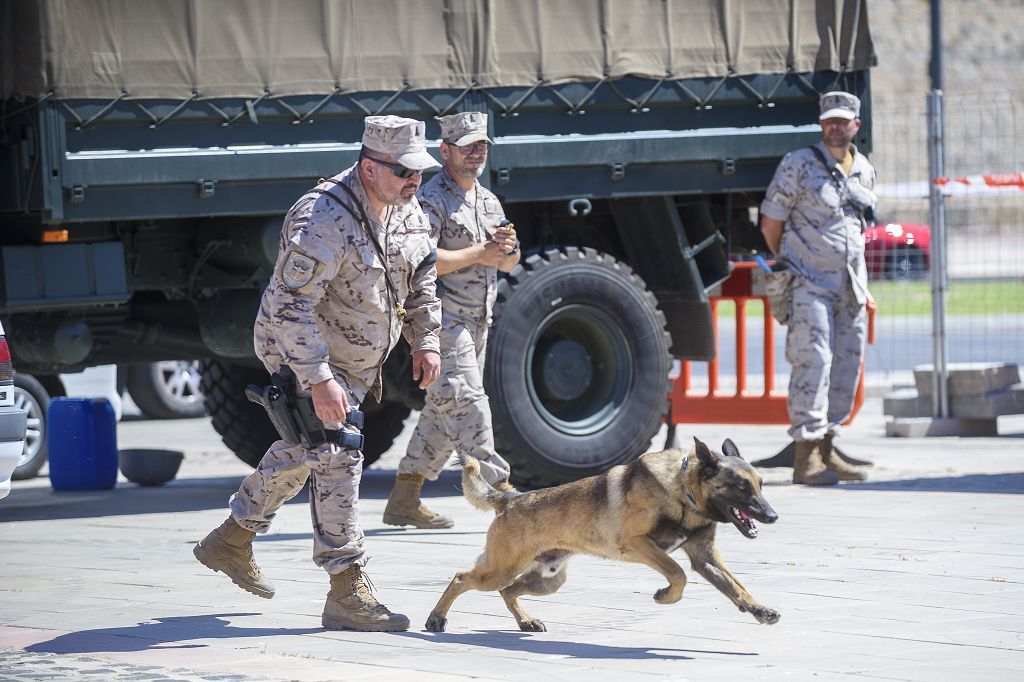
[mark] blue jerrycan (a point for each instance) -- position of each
(81, 434)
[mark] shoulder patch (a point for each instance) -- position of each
(298, 270)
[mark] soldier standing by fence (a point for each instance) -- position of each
(813, 217)
(355, 266)
(473, 241)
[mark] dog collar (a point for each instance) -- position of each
(690, 500)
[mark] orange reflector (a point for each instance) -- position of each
(54, 236)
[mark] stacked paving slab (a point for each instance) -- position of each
(979, 393)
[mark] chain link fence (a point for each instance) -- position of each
(985, 236)
(985, 245)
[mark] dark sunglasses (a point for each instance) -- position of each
(398, 169)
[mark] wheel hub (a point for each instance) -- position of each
(579, 369)
(567, 370)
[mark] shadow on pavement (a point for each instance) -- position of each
(526, 642)
(157, 634)
(1012, 483)
(377, 484)
(180, 495)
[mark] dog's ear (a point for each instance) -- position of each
(729, 449)
(704, 455)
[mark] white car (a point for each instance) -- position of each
(12, 420)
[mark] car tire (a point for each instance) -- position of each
(582, 384)
(246, 430)
(906, 263)
(30, 396)
(167, 390)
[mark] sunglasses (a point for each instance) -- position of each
(398, 169)
(468, 149)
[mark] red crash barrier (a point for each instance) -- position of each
(741, 406)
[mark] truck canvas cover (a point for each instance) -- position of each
(180, 49)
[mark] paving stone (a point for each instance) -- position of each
(912, 574)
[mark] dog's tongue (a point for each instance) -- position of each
(745, 520)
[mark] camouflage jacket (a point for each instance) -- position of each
(467, 295)
(823, 237)
(327, 310)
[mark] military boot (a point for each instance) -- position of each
(834, 462)
(808, 467)
(405, 508)
(228, 548)
(352, 606)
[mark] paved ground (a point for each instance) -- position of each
(915, 575)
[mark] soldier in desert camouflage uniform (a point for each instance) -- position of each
(355, 270)
(813, 218)
(474, 242)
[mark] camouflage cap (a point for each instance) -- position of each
(400, 138)
(839, 104)
(464, 128)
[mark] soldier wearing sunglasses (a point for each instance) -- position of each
(354, 272)
(474, 241)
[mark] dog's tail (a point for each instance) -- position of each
(477, 490)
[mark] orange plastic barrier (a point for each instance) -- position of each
(741, 407)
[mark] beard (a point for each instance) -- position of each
(399, 197)
(465, 170)
(838, 139)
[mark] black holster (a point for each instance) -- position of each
(294, 417)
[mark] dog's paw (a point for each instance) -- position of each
(766, 615)
(436, 623)
(533, 625)
(667, 595)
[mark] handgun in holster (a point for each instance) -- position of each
(294, 417)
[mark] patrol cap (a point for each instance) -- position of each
(464, 128)
(401, 138)
(839, 104)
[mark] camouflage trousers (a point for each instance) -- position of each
(457, 415)
(825, 348)
(333, 473)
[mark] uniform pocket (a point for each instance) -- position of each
(779, 290)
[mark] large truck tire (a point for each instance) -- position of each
(577, 366)
(246, 430)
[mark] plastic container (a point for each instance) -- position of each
(82, 438)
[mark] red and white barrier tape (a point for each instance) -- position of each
(1007, 180)
(995, 183)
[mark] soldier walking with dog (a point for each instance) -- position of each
(813, 218)
(474, 241)
(355, 270)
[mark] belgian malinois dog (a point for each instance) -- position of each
(638, 512)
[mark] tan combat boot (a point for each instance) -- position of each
(228, 548)
(808, 467)
(405, 508)
(352, 606)
(832, 460)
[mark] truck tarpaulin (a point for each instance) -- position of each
(179, 49)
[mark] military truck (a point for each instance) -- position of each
(150, 150)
